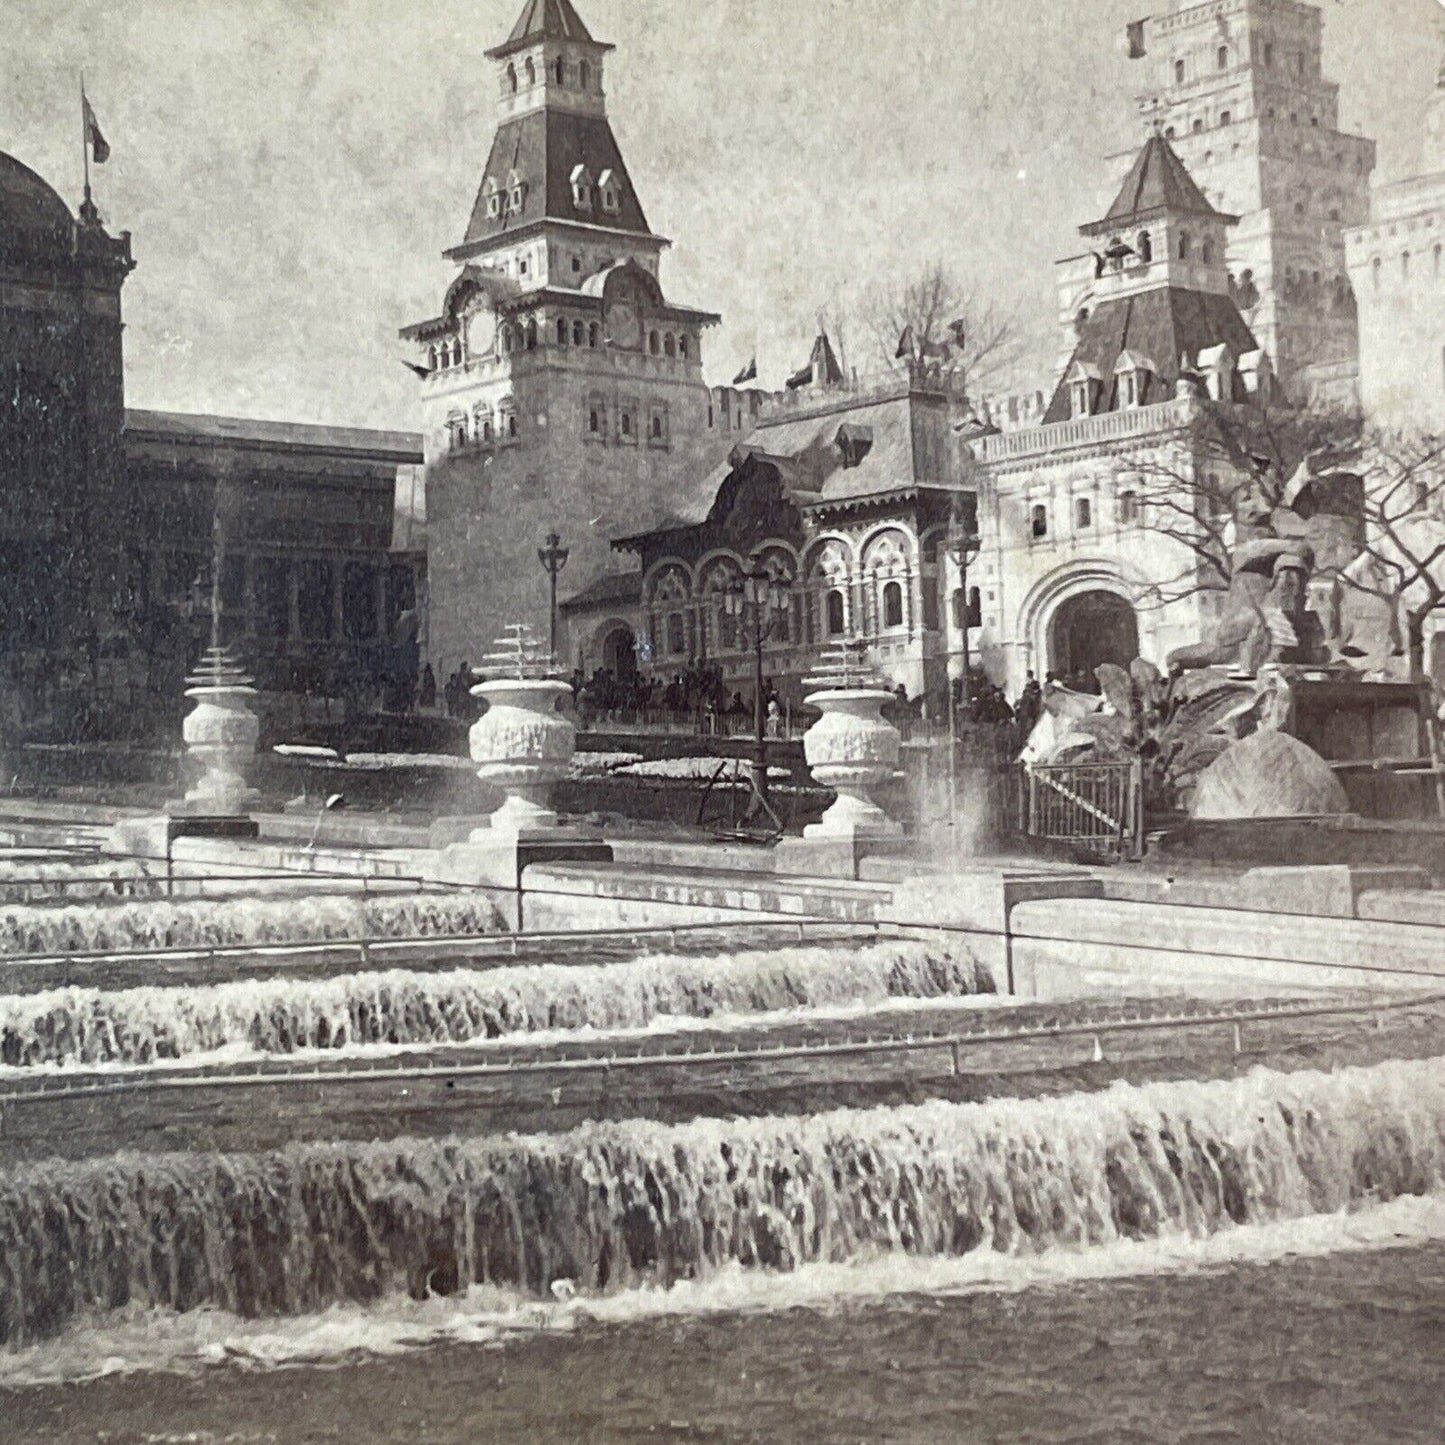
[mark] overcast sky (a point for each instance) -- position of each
(292, 169)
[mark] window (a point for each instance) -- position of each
(581, 188)
(1039, 521)
(576, 265)
(531, 72)
(654, 343)
(592, 334)
(1145, 247)
(511, 424)
(431, 351)
(1128, 389)
(658, 427)
(577, 333)
(1081, 398)
(975, 607)
(676, 634)
(1269, 54)
(1206, 251)
(1198, 125)
(531, 336)
(1225, 117)
(835, 613)
(669, 345)
(1178, 72)
(627, 423)
(682, 342)
(893, 604)
(1169, 132)
(1221, 57)
(456, 431)
(482, 423)
(1375, 272)
(1128, 508)
(1404, 265)
(523, 266)
(584, 75)
(1437, 260)
(1084, 509)
(1184, 245)
(561, 331)
(594, 420)
(512, 79)
(560, 71)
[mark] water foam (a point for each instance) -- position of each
(641, 1206)
(84, 1027)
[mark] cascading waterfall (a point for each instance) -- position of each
(79, 1027)
(621, 1205)
(314, 917)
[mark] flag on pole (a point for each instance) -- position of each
(748, 373)
(99, 146)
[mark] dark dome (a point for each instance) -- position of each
(32, 216)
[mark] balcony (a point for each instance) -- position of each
(1086, 431)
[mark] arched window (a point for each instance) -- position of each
(577, 333)
(682, 342)
(531, 72)
(592, 335)
(1198, 124)
(531, 336)
(1184, 245)
(654, 343)
(1039, 520)
(584, 75)
(560, 70)
(893, 604)
(506, 335)
(676, 634)
(1221, 57)
(1225, 117)
(1178, 72)
(511, 423)
(669, 345)
(1128, 508)
(1145, 247)
(835, 613)
(512, 79)
(657, 428)
(1083, 513)
(456, 431)
(431, 351)
(975, 607)
(561, 331)
(1206, 251)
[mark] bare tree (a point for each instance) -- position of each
(1241, 473)
(936, 316)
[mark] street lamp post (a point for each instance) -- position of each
(963, 546)
(762, 599)
(553, 558)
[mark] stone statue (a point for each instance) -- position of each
(1265, 617)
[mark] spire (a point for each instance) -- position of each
(1157, 183)
(546, 20)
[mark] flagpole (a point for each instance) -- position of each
(84, 137)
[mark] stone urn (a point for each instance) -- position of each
(523, 746)
(220, 733)
(852, 749)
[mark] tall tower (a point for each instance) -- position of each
(563, 390)
(1238, 88)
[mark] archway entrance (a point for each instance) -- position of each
(619, 654)
(1087, 630)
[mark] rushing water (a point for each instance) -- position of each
(638, 1205)
(161, 923)
(84, 1027)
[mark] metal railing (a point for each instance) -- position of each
(1098, 807)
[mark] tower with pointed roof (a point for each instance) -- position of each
(1239, 89)
(1072, 564)
(563, 389)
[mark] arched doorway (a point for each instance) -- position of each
(1088, 629)
(619, 653)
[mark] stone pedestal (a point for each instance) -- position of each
(852, 749)
(220, 735)
(523, 746)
